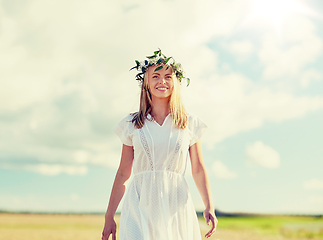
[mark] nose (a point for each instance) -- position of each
(163, 81)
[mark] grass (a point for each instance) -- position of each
(50, 227)
(289, 227)
(88, 227)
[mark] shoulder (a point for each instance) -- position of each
(124, 130)
(191, 117)
(194, 121)
(130, 116)
(127, 121)
(196, 128)
(127, 118)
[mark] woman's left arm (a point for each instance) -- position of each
(202, 183)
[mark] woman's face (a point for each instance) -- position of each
(160, 83)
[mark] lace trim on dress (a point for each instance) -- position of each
(177, 148)
(144, 143)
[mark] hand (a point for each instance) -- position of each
(110, 227)
(210, 217)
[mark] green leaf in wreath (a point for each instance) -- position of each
(158, 68)
(167, 59)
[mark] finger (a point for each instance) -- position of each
(210, 233)
(208, 221)
(213, 229)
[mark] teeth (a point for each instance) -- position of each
(162, 88)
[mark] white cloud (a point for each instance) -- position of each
(313, 184)
(236, 104)
(212, 19)
(310, 76)
(240, 49)
(263, 155)
(221, 171)
(55, 169)
(49, 169)
(301, 47)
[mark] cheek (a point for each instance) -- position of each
(171, 89)
(150, 83)
(171, 84)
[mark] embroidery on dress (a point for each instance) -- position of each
(177, 148)
(144, 143)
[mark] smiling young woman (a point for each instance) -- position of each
(157, 141)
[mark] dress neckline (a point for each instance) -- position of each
(153, 120)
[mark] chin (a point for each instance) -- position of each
(161, 96)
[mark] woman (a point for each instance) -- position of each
(156, 143)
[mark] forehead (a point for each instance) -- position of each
(151, 69)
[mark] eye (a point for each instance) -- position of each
(155, 76)
(168, 77)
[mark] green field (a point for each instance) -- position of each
(278, 227)
(88, 227)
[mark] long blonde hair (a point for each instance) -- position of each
(176, 107)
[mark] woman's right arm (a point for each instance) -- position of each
(118, 189)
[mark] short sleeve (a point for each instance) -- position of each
(197, 128)
(124, 130)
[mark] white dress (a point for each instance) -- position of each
(157, 204)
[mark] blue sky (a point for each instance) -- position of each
(256, 81)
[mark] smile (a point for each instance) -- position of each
(162, 88)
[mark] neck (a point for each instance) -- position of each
(160, 108)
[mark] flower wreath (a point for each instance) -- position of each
(159, 58)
